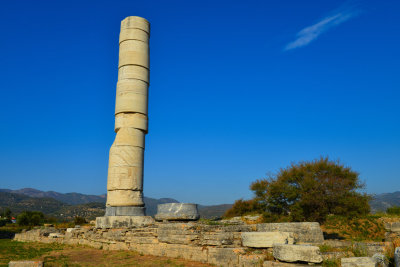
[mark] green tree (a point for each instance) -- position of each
(30, 218)
(242, 207)
(309, 191)
(6, 214)
(79, 220)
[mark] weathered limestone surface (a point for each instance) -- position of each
(201, 235)
(219, 244)
(397, 257)
(123, 221)
(358, 262)
(25, 264)
(392, 226)
(294, 253)
(282, 264)
(307, 232)
(381, 260)
(177, 211)
(266, 239)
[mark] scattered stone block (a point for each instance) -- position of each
(392, 226)
(381, 260)
(397, 257)
(25, 264)
(359, 262)
(307, 232)
(294, 253)
(266, 239)
(395, 227)
(177, 212)
(282, 264)
(371, 248)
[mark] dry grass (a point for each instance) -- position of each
(368, 228)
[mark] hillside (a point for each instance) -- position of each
(214, 211)
(383, 201)
(18, 203)
(66, 205)
(68, 198)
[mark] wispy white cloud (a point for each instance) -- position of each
(310, 33)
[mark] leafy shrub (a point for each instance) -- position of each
(241, 207)
(3, 222)
(79, 220)
(6, 213)
(307, 191)
(30, 218)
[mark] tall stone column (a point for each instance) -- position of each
(125, 169)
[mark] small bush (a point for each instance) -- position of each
(3, 222)
(30, 218)
(79, 220)
(243, 207)
(331, 263)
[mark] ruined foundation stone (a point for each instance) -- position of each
(358, 262)
(397, 257)
(307, 232)
(177, 212)
(294, 253)
(25, 264)
(266, 239)
(123, 221)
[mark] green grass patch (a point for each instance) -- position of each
(331, 263)
(14, 250)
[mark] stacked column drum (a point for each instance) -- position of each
(125, 170)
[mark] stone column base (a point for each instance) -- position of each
(177, 212)
(125, 211)
(123, 221)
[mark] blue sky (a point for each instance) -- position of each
(238, 89)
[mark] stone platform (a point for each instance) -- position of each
(218, 243)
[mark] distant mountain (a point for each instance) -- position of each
(383, 201)
(68, 198)
(214, 211)
(66, 206)
(151, 204)
(18, 203)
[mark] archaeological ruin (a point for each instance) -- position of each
(176, 230)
